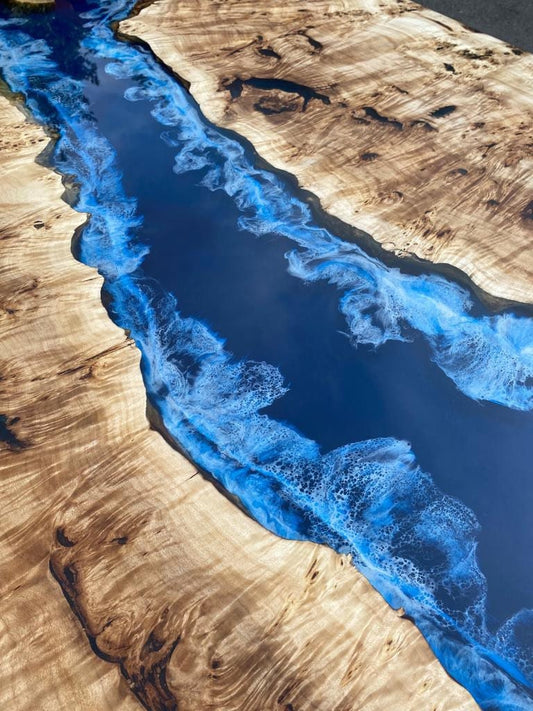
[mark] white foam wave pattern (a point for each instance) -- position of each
(81, 151)
(488, 357)
(369, 498)
(416, 545)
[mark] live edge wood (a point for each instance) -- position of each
(113, 548)
(421, 132)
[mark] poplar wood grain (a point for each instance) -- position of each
(420, 131)
(195, 605)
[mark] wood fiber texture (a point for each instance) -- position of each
(197, 605)
(419, 131)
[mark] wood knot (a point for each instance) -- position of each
(63, 539)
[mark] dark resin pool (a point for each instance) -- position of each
(379, 409)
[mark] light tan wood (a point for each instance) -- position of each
(48, 3)
(455, 188)
(200, 606)
(49, 312)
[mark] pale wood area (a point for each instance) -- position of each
(202, 608)
(34, 2)
(423, 136)
(49, 315)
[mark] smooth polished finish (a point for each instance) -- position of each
(402, 121)
(200, 606)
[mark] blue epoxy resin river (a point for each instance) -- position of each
(381, 410)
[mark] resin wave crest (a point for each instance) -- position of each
(413, 542)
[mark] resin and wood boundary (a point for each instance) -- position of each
(199, 607)
(403, 122)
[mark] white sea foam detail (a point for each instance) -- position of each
(415, 544)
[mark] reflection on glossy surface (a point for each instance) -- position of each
(328, 362)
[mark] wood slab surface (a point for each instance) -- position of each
(403, 122)
(125, 576)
